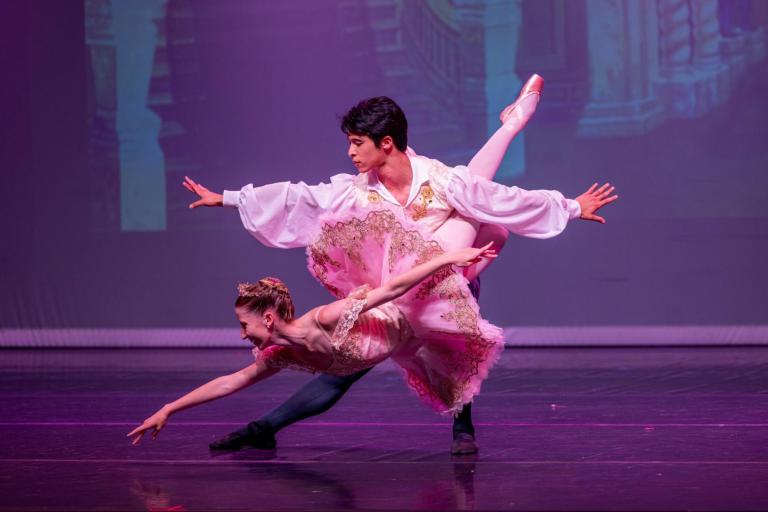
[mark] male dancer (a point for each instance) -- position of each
(284, 215)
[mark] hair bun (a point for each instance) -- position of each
(269, 292)
(252, 289)
(245, 290)
(274, 284)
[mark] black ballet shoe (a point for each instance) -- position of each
(251, 436)
(463, 444)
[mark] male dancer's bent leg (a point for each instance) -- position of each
(463, 430)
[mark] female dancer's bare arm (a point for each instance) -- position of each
(397, 286)
(211, 390)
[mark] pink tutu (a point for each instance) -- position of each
(448, 349)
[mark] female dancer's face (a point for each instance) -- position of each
(364, 153)
(252, 327)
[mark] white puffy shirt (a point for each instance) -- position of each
(285, 214)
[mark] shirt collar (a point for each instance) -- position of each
(420, 176)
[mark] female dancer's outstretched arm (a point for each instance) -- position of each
(211, 390)
(397, 286)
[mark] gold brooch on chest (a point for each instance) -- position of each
(419, 211)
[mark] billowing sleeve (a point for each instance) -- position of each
(284, 214)
(531, 213)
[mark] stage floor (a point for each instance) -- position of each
(559, 429)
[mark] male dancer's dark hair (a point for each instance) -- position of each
(376, 118)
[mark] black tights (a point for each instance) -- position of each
(315, 397)
(321, 393)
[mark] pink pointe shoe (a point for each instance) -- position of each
(534, 85)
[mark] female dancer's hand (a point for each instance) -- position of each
(594, 199)
(471, 255)
(157, 421)
(207, 198)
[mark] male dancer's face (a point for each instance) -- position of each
(364, 153)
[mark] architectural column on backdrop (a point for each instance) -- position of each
(623, 56)
(743, 42)
(428, 62)
(675, 85)
(711, 73)
(492, 29)
(758, 37)
(553, 43)
(127, 161)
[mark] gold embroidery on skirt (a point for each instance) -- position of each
(446, 283)
(347, 236)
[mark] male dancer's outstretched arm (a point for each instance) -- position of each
(281, 214)
(530, 213)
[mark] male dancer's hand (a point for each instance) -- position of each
(207, 198)
(594, 199)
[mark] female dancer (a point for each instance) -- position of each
(340, 338)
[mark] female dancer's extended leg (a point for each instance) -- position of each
(459, 232)
(486, 162)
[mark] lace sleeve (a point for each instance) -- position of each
(348, 319)
(281, 358)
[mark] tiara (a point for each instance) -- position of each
(274, 283)
(247, 289)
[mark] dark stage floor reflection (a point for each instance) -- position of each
(560, 429)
